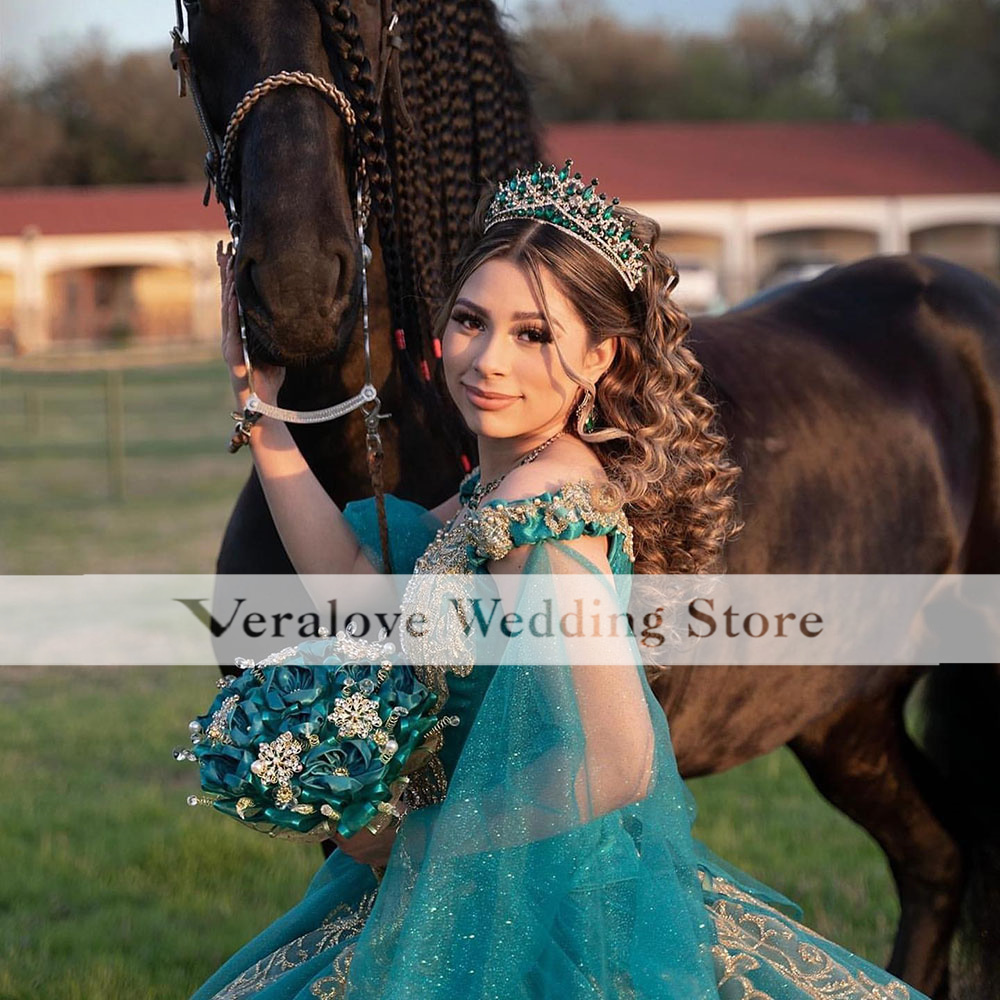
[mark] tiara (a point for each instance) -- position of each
(560, 199)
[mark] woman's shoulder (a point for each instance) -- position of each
(567, 460)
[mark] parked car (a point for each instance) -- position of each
(698, 289)
(798, 269)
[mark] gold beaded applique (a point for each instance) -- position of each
(489, 529)
(486, 533)
(440, 575)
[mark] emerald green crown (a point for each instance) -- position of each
(561, 199)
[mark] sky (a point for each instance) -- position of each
(29, 27)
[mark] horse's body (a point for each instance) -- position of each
(863, 407)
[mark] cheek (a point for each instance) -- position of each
(451, 355)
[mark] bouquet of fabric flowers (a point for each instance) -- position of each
(315, 739)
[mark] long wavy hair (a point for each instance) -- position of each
(657, 435)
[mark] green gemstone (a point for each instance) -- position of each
(625, 255)
(512, 184)
(534, 177)
(608, 213)
(563, 174)
(593, 210)
(588, 193)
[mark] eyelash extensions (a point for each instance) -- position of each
(541, 333)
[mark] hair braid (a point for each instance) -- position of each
(425, 183)
(342, 29)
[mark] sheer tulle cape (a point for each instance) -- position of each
(536, 877)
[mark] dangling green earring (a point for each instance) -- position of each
(586, 406)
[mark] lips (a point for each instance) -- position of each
(487, 400)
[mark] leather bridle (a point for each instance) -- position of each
(219, 167)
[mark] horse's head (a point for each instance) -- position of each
(292, 167)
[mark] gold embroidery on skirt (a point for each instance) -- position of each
(749, 940)
(341, 922)
(334, 986)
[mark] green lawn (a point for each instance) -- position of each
(56, 514)
(111, 886)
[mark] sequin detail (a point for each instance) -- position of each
(334, 986)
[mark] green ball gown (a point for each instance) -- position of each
(551, 855)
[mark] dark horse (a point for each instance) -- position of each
(863, 408)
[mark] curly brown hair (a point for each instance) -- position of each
(658, 440)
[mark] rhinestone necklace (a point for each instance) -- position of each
(481, 489)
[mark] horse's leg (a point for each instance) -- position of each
(861, 758)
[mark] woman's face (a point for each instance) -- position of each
(500, 362)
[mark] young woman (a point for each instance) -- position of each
(549, 853)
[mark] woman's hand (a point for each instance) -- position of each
(267, 379)
(368, 848)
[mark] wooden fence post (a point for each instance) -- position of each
(114, 408)
(32, 410)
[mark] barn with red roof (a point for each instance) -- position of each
(742, 205)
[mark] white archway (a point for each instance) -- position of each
(119, 302)
(783, 255)
(975, 245)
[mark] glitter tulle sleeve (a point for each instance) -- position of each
(562, 844)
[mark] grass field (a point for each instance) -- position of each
(56, 515)
(111, 887)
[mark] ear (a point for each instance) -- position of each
(599, 359)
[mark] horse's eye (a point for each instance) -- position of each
(193, 6)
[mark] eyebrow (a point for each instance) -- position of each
(519, 315)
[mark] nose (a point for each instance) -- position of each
(491, 357)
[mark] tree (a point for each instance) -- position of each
(935, 59)
(879, 59)
(94, 118)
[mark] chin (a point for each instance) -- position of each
(491, 426)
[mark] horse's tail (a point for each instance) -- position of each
(961, 702)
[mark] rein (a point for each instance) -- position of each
(219, 170)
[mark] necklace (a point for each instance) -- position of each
(481, 489)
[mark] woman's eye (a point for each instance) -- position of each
(466, 319)
(535, 335)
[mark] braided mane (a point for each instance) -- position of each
(471, 122)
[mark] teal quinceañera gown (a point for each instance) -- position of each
(549, 854)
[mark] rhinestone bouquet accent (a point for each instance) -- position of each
(315, 739)
(561, 199)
